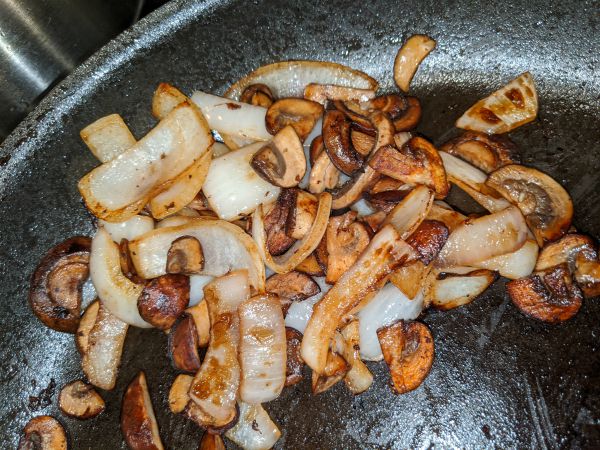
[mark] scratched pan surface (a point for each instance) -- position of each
(499, 379)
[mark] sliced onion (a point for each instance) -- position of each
(197, 283)
(225, 246)
(513, 265)
(411, 211)
(263, 349)
(301, 248)
(388, 306)
(117, 293)
(362, 207)
(232, 187)
(457, 289)
(108, 137)
(175, 221)
(129, 229)
(484, 238)
(289, 78)
(254, 430)
(120, 188)
(219, 149)
(359, 378)
(299, 313)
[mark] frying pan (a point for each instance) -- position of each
(499, 378)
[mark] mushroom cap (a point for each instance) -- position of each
(43, 432)
(300, 114)
(163, 299)
(80, 400)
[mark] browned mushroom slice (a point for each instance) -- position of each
(549, 295)
(375, 220)
(55, 290)
(346, 240)
(281, 162)
(386, 200)
(387, 184)
(302, 216)
(428, 239)
(301, 114)
(278, 242)
(43, 433)
(294, 364)
(353, 189)
(355, 114)
(338, 144)
(183, 345)
(408, 351)
(80, 400)
(362, 142)
(291, 287)
(335, 371)
(411, 116)
(211, 441)
(196, 414)
(126, 262)
(88, 319)
(320, 93)
(451, 290)
(566, 250)
(409, 57)
(546, 205)
(185, 256)
(163, 299)
(257, 94)
(179, 393)
(487, 152)
(587, 275)
(138, 423)
(199, 313)
(320, 252)
(323, 174)
(316, 149)
(310, 266)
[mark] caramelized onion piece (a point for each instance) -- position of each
(359, 378)
(107, 137)
(484, 151)
(517, 264)
(410, 278)
(80, 400)
(353, 189)
(44, 433)
(409, 57)
(165, 99)
(300, 114)
(444, 213)
(408, 214)
(179, 393)
(310, 266)
(335, 371)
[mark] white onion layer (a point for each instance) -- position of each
(129, 229)
(299, 312)
(254, 430)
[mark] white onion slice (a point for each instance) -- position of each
(513, 265)
(388, 306)
(458, 289)
(174, 221)
(219, 149)
(362, 207)
(197, 283)
(411, 211)
(299, 313)
(107, 137)
(232, 187)
(129, 229)
(254, 430)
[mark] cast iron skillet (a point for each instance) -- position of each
(499, 379)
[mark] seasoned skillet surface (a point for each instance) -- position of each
(499, 378)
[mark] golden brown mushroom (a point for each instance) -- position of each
(310, 266)
(257, 94)
(183, 345)
(487, 152)
(163, 299)
(87, 322)
(428, 239)
(185, 256)
(275, 222)
(80, 400)
(178, 394)
(301, 218)
(294, 364)
(338, 144)
(335, 371)
(291, 287)
(301, 114)
(44, 433)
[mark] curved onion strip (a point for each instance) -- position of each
(359, 378)
(120, 188)
(263, 349)
(321, 93)
(411, 211)
(197, 283)
(175, 221)
(224, 245)
(183, 190)
(116, 292)
(457, 289)
(301, 248)
(483, 238)
(215, 386)
(289, 78)
(107, 137)
(299, 313)
(254, 430)
(129, 229)
(513, 265)
(388, 306)
(385, 253)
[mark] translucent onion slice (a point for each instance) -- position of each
(484, 238)
(117, 293)
(362, 207)
(263, 349)
(289, 78)
(197, 284)
(235, 119)
(388, 306)
(129, 229)
(120, 188)
(225, 246)
(451, 290)
(411, 211)
(254, 430)
(107, 137)
(513, 265)
(232, 187)
(359, 378)
(299, 313)
(175, 221)
(302, 248)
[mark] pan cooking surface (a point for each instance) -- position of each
(499, 379)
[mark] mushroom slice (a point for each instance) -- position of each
(254, 430)
(294, 362)
(55, 290)
(45, 433)
(362, 142)
(300, 114)
(275, 222)
(291, 287)
(88, 319)
(199, 313)
(196, 414)
(386, 200)
(549, 295)
(107, 137)
(385, 184)
(215, 386)
(486, 152)
(353, 189)
(408, 351)
(185, 256)
(408, 214)
(179, 393)
(262, 351)
(409, 57)
(359, 378)
(445, 214)
(257, 94)
(503, 110)
(211, 441)
(587, 275)
(338, 144)
(282, 161)
(138, 423)
(517, 264)
(80, 400)
(451, 290)
(321, 93)
(411, 117)
(546, 205)
(566, 250)
(335, 371)
(323, 174)
(428, 239)
(385, 253)
(163, 299)
(310, 266)
(166, 97)
(302, 216)
(346, 240)
(183, 345)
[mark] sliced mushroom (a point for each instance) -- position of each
(346, 240)
(55, 290)
(43, 433)
(323, 174)
(211, 441)
(565, 251)
(362, 142)
(183, 345)
(301, 114)
(387, 184)
(411, 116)
(549, 295)
(88, 319)
(257, 94)
(163, 299)
(408, 351)
(185, 256)
(281, 162)
(310, 266)
(353, 189)
(428, 239)
(409, 57)
(451, 290)
(384, 128)
(316, 149)
(587, 274)
(301, 217)
(294, 364)
(335, 371)
(386, 200)
(126, 262)
(80, 400)
(275, 222)
(199, 313)
(320, 93)
(179, 393)
(138, 423)
(338, 144)
(321, 254)
(546, 205)
(375, 220)
(487, 152)
(291, 287)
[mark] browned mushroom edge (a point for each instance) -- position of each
(291, 287)
(178, 394)
(335, 370)
(278, 242)
(183, 345)
(86, 323)
(301, 218)
(301, 114)
(310, 266)
(338, 143)
(295, 364)
(211, 441)
(185, 256)
(385, 200)
(163, 299)
(257, 94)
(43, 432)
(80, 400)
(428, 239)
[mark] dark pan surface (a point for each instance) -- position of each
(499, 379)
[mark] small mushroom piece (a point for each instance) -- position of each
(362, 142)
(338, 144)
(353, 189)
(211, 441)
(55, 289)
(257, 94)
(408, 351)
(294, 362)
(86, 323)
(291, 287)
(275, 222)
(163, 299)
(335, 371)
(428, 239)
(411, 116)
(409, 57)
(183, 345)
(179, 393)
(566, 250)
(375, 220)
(301, 114)
(410, 278)
(321, 93)
(323, 174)
(80, 400)
(281, 162)
(310, 266)
(126, 262)
(549, 295)
(138, 423)
(386, 200)
(387, 184)
(546, 205)
(301, 218)
(587, 275)
(199, 313)
(185, 256)
(43, 433)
